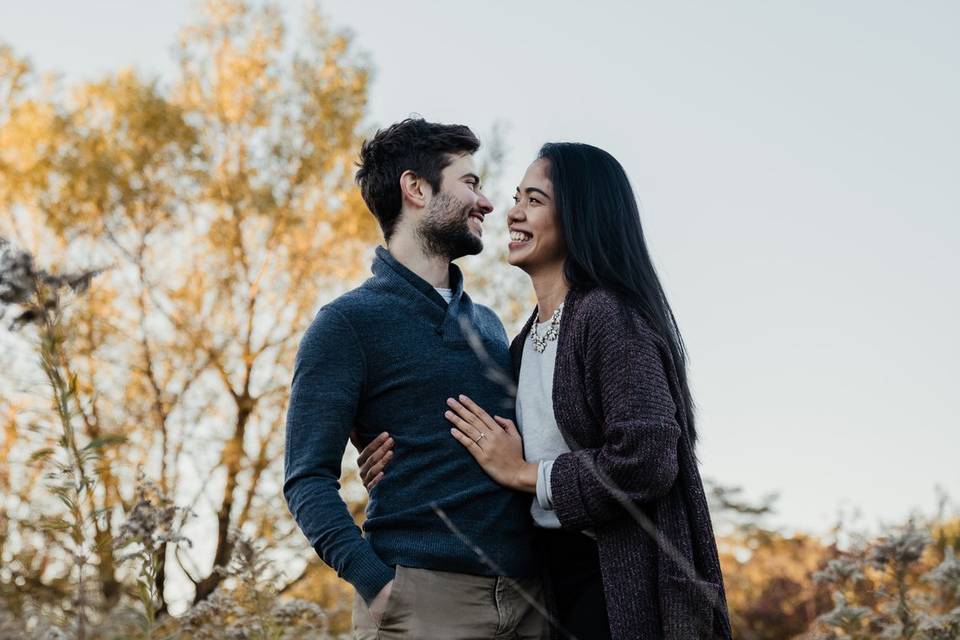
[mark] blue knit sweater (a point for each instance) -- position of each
(385, 357)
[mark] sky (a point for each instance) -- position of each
(798, 169)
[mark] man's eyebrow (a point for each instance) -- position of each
(471, 175)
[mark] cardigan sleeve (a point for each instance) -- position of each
(636, 461)
(327, 384)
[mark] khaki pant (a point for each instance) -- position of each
(426, 604)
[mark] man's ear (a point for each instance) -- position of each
(414, 189)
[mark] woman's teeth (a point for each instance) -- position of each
(519, 236)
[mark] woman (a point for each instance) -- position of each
(606, 429)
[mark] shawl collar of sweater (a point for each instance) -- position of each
(392, 274)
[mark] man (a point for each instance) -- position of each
(447, 552)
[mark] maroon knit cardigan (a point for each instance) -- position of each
(632, 476)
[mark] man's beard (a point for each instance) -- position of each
(445, 229)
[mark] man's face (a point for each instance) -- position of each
(453, 223)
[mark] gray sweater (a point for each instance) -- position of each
(632, 476)
(542, 440)
(385, 357)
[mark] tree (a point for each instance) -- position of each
(226, 204)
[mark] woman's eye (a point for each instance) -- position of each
(534, 200)
(516, 200)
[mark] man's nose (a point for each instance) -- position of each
(484, 204)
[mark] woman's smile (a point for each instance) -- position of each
(519, 239)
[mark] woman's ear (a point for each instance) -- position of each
(414, 189)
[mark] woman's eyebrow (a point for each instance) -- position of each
(530, 190)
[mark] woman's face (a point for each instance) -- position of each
(536, 241)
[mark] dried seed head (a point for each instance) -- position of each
(17, 275)
(35, 290)
(899, 548)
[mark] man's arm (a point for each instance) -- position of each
(328, 381)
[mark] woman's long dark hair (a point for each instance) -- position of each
(600, 219)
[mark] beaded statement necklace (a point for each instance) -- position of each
(551, 334)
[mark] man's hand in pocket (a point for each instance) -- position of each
(379, 604)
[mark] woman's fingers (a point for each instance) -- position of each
(475, 450)
(466, 415)
(478, 411)
(464, 427)
(507, 425)
(473, 415)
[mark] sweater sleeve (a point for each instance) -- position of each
(328, 380)
(544, 493)
(636, 461)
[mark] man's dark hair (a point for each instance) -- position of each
(414, 144)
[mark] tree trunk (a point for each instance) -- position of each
(232, 458)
